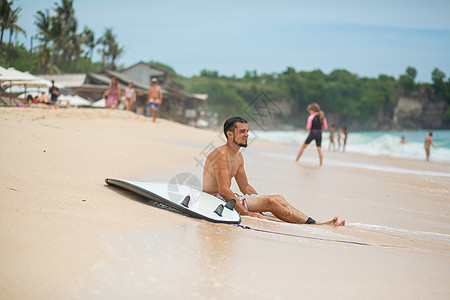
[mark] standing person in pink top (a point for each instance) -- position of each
(315, 124)
(112, 94)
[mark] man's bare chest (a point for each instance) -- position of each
(233, 167)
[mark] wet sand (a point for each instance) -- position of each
(65, 234)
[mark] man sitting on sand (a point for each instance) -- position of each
(226, 162)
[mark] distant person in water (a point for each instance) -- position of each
(403, 140)
(428, 143)
(345, 132)
(332, 129)
(315, 124)
(227, 162)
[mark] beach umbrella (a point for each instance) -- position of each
(73, 100)
(80, 101)
(10, 78)
(99, 103)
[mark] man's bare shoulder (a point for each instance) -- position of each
(216, 153)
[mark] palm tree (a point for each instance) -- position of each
(115, 51)
(107, 39)
(88, 39)
(8, 20)
(5, 10)
(67, 13)
(43, 24)
(57, 36)
(43, 21)
(13, 27)
(111, 50)
(68, 42)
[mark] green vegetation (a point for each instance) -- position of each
(60, 48)
(346, 98)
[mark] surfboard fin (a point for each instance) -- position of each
(231, 204)
(186, 201)
(219, 210)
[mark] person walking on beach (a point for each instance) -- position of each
(315, 124)
(130, 96)
(332, 129)
(428, 143)
(227, 162)
(112, 94)
(54, 93)
(345, 132)
(339, 137)
(154, 98)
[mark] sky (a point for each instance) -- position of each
(367, 38)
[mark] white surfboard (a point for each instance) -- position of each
(186, 199)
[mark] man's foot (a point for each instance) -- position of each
(339, 223)
(335, 221)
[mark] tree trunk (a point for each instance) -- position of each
(90, 59)
(9, 46)
(1, 40)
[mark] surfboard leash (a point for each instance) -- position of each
(310, 237)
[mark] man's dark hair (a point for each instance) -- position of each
(230, 124)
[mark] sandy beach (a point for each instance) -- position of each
(65, 234)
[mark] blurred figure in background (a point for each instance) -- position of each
(154, 98)
(315, 124)
(332, 129)
(428, 143)
(112, 94)
(130, 96)
(345, 132)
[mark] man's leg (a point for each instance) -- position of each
(281, 209)
(154, 113)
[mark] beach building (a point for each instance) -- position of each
(177, 105)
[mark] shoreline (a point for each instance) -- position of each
(65, 234)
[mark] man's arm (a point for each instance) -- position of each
(223, 182)
(148, 96)
(160, 96)
(241, 179)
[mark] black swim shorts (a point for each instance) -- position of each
(315, 135)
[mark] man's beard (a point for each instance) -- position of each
(241, 144)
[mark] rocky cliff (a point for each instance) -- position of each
(419, 111)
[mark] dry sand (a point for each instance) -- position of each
(65, 234)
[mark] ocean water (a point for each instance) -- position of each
(372, 142)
